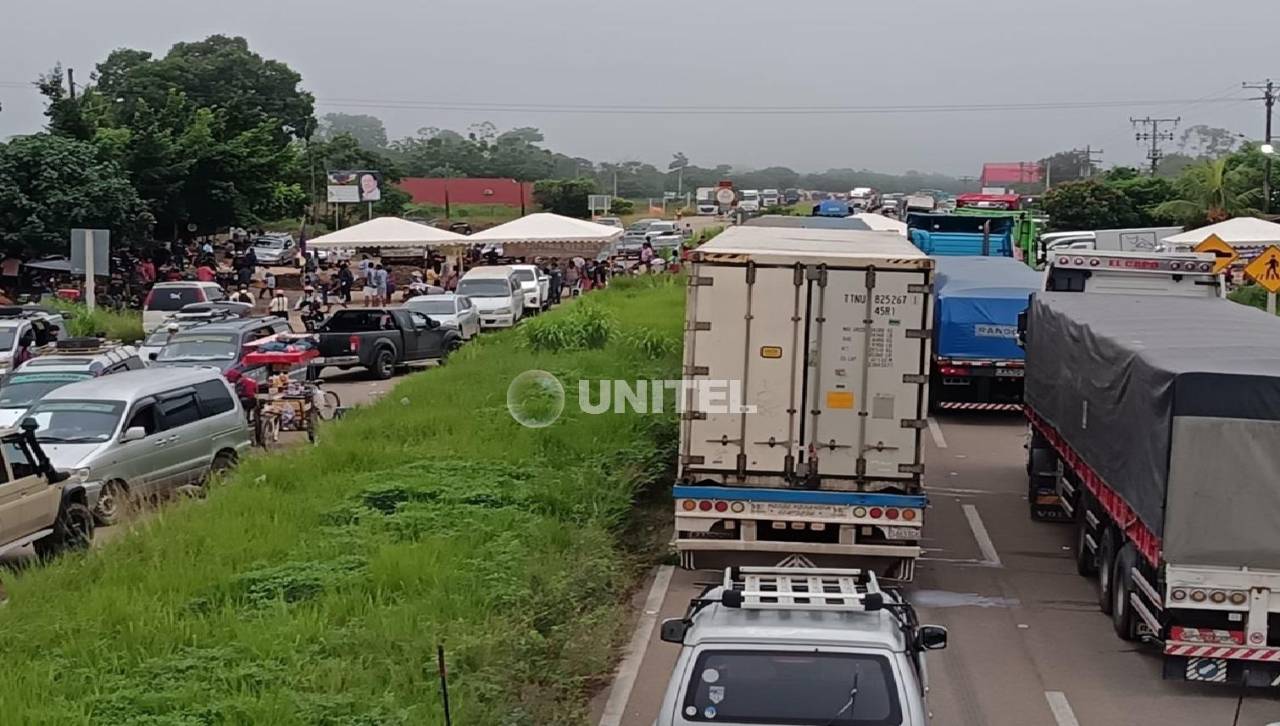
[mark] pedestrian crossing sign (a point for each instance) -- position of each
(1223, 253)
(1265, 269)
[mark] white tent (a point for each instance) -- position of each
(548, 234)
(388, 232)
(882, 223)
(1243, 233)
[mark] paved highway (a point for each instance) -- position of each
(1028, 644)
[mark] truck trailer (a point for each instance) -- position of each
(1155, 430)
(961, 235)
(825, 333)
(977, 362)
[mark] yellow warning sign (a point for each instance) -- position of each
(1225, 253)
(1265, 269)
(839, 399)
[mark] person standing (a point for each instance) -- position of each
(346, 281)
(646, 254)
(268, 285)
(204, 273)
(557, 281)
(380, 279)
(279, 304)
(242, 295)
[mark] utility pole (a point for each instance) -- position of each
(1091, 163)
(71, 82)
(1269, 101)
(1155, 136)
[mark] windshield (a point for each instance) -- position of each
(21, 389)
(173, 298)
(159, 337)
(270, 242)
(801, 688)
(201, 346)
(76, 422)
(6, 339)
(525, 275)
(484, 288)
(432, 307)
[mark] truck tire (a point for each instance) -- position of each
(1086, 559)
(1123, 617)
(73, 530)
(384, 364)
(1106, 571)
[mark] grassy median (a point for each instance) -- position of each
(314, 586)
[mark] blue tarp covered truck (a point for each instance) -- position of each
(977, 364)
(949, 235)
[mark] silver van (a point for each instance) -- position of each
(137, 434)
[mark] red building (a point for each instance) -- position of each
(506, 192)
(1009, 173)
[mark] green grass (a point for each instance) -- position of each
(125, 326)
(313, 587)
(1251, 295)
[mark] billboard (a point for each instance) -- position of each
(353, 187)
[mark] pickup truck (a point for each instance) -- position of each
(381, 340)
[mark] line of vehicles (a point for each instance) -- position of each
(1153, 408)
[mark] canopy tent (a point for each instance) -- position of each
(882, 223)
(549, 234)
(1246, 234)
(388, 232)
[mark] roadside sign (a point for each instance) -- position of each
(1225, 253)
(1265, 269)
(598, 203)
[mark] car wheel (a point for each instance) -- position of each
(72, 531)
(111, 503)
(225, 461)
(384, 364)
(1123, 618)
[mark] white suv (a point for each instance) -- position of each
(767, 647)
(169, 298)
(536, 285)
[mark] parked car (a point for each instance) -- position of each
(39, 506)
(496, 293)
(169, 298)
(451, 311)
(382, 339)
(189, 317)
(664, 235)
(218, 344)
(779, 645)
(536, 285)
(275, 249)
(610, 222)
(142, 433)
(39, 327)
(72, 360)
(634, 236)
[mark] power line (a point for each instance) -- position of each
(1155, 136)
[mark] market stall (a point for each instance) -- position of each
(549, 235)
(1248, 235)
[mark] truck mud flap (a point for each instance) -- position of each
(1249, 674)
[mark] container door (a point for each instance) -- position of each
(744, 336)
(866, 332)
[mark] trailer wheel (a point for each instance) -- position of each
(1123, 617)
(1106, 571)
(1086, 559)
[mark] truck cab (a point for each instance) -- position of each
(749, 201)
(770, 198)
(774, 646)
(1187, 274)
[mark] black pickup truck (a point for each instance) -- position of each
(381, 340)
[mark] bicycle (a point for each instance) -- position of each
(325, 402)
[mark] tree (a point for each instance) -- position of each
(1067, 166)
(1208, 142)
(1212, 191)
(368, 131)
(564, 196)
(1145, 195)
(1088, 204)
(52, 184)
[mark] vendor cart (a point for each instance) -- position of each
(283, 403)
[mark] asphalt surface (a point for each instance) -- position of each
(1028, 645)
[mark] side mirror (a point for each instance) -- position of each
(133, 433)
(153, 356)
(432, 323)
(674, 630)
(932, 637)
(873, 601)
(1022, 329)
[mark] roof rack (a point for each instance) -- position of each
(20, 311)
(84, 345)
(802, 588)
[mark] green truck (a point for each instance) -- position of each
(1026, 229)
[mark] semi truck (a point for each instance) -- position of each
(1155, 431)
(824, 336)
(706, 201)
(960, 235)
(977, 362)
(1182, 274)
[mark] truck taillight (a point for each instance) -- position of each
(688, 505)
(876, 512)
(354, 342)
(891, 513)
(722, 506)
(953, 371)
(704, 506)
(909, 515)
(1064, 260)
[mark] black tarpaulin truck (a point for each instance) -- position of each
(1155, 430)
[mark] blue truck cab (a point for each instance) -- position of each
(977, 363)
(952, 235)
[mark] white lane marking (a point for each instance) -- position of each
(985, 544)
(1062, 712)
(616, 707)
(936, 429)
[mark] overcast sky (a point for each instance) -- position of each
(660, 54)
